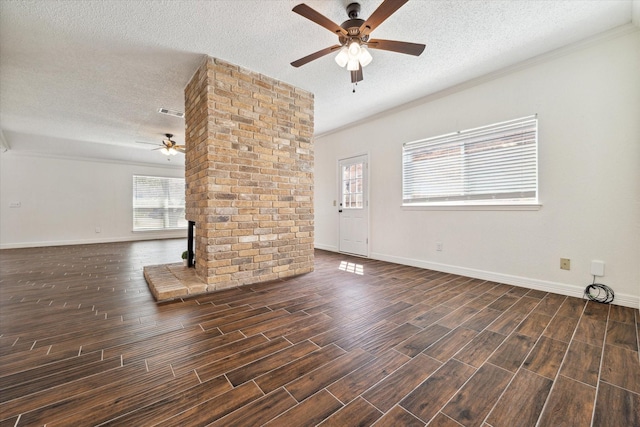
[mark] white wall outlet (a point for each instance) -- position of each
(597, 268)
(98, 230)
(15, 204)
(439, 246)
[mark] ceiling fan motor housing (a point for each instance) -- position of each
(353, 28)
(168, 142)
(353, 24)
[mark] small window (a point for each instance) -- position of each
(158, 203)
(352, 188)
(490, 165)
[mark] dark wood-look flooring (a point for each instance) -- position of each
(358, 342)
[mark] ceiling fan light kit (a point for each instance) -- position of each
(169, 147)
(354, 56)
(353, 36)
(169, 151)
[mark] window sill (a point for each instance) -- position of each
(477, 207)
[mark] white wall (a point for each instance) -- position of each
(588, 103)
(62, 201)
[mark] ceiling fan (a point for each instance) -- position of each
(169, 147)
(353, 36)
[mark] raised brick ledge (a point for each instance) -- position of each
(171, 281)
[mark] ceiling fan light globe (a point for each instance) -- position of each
(342, 57)
(353, 64)
(172, 151)
(354, 50)
(165, 151)
(365, 57)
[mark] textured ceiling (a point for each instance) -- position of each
(86, 77)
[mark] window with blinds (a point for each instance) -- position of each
(495, 164)
(158, 203)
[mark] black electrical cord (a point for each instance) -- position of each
(599, 292)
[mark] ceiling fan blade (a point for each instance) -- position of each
(180, 149)
(385, 10)
(159, 148)
(145, 142)
(318, 18)
(315, 55)
(356, 76)
(395, 46)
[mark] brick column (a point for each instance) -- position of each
(249, 175)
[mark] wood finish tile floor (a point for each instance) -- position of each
(357, 342)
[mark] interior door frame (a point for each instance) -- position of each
(366, 193)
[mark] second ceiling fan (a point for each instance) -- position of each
(169, 146)
(353, 36)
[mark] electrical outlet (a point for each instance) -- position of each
(565, 264)
(439, 246)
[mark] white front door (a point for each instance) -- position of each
(354, 206)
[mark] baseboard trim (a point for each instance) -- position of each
(90, 241)
(326, 247)
(525, 282)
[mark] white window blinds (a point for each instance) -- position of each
(495, 164)
(158, 203)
